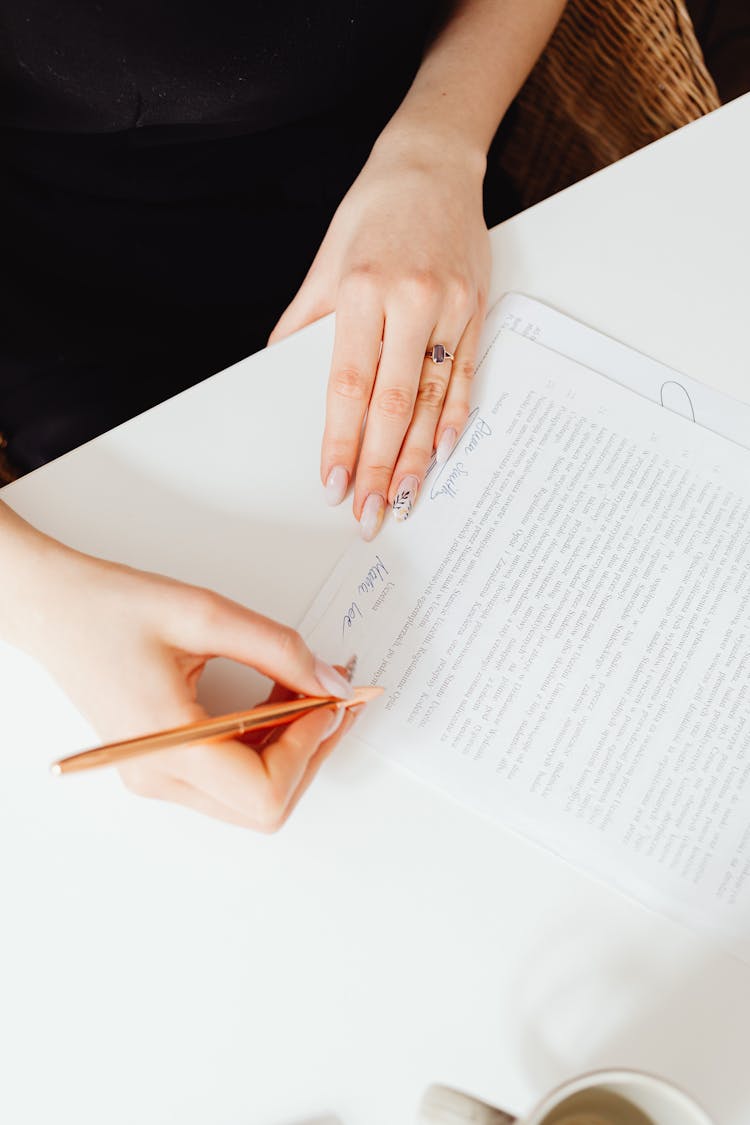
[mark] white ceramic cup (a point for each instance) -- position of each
(664, 1103)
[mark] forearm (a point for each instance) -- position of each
(25, 572)
(472, 71)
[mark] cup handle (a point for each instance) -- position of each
(442, 1105)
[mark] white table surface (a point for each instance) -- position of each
(158, 968)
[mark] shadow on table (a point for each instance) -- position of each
(688, 1024)
(316, 1121)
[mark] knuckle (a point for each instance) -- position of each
(362, 282)
(418, 456)
(203, 606)
(431, 392)
(419, 453)
(464, 369)
(349, 382)
(364, 273)
(337, 452)
(395, 403)
(375, 473)
(463, 292)
(422, 287)
(290, 643)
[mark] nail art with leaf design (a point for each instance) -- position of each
(405, 498)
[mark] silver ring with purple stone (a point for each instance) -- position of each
(438, 353)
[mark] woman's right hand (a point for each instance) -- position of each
(129, 647)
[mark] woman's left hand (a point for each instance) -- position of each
(405, 264)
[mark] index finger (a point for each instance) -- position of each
(226, 628)
(356, 351)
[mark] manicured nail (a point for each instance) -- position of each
(446, 445)
(405, 498)
(337, 719)
(336, 485)
(373, 511)
(332, 682)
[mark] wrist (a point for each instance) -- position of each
(432, 145)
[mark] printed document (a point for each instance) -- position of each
(562, 629)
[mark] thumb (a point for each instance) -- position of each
(276, 650)
(311, 303)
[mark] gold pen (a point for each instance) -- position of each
(263, 717)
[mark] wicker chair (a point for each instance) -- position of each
(616, 75)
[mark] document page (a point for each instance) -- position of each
(641, 373)
(562, 629)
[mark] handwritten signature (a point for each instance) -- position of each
(372, 580)
(474, 433)
(374, 577)
(447, 483)
(352, 614)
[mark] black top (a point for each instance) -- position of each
(168, 169)
(107, 65)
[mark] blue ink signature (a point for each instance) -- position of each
(375, 575)
(374, 578)
(352, 614)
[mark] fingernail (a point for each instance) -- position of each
(405, 498)
(446, 445)
(332, 681)
(336, 485)
(337, 719)
(373, 511)
(351, 714)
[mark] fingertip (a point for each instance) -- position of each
(331, 680)
(446, 444)
(345, 720)
(337, 718)
(405, 497)
(371, 516)
(336, 485)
